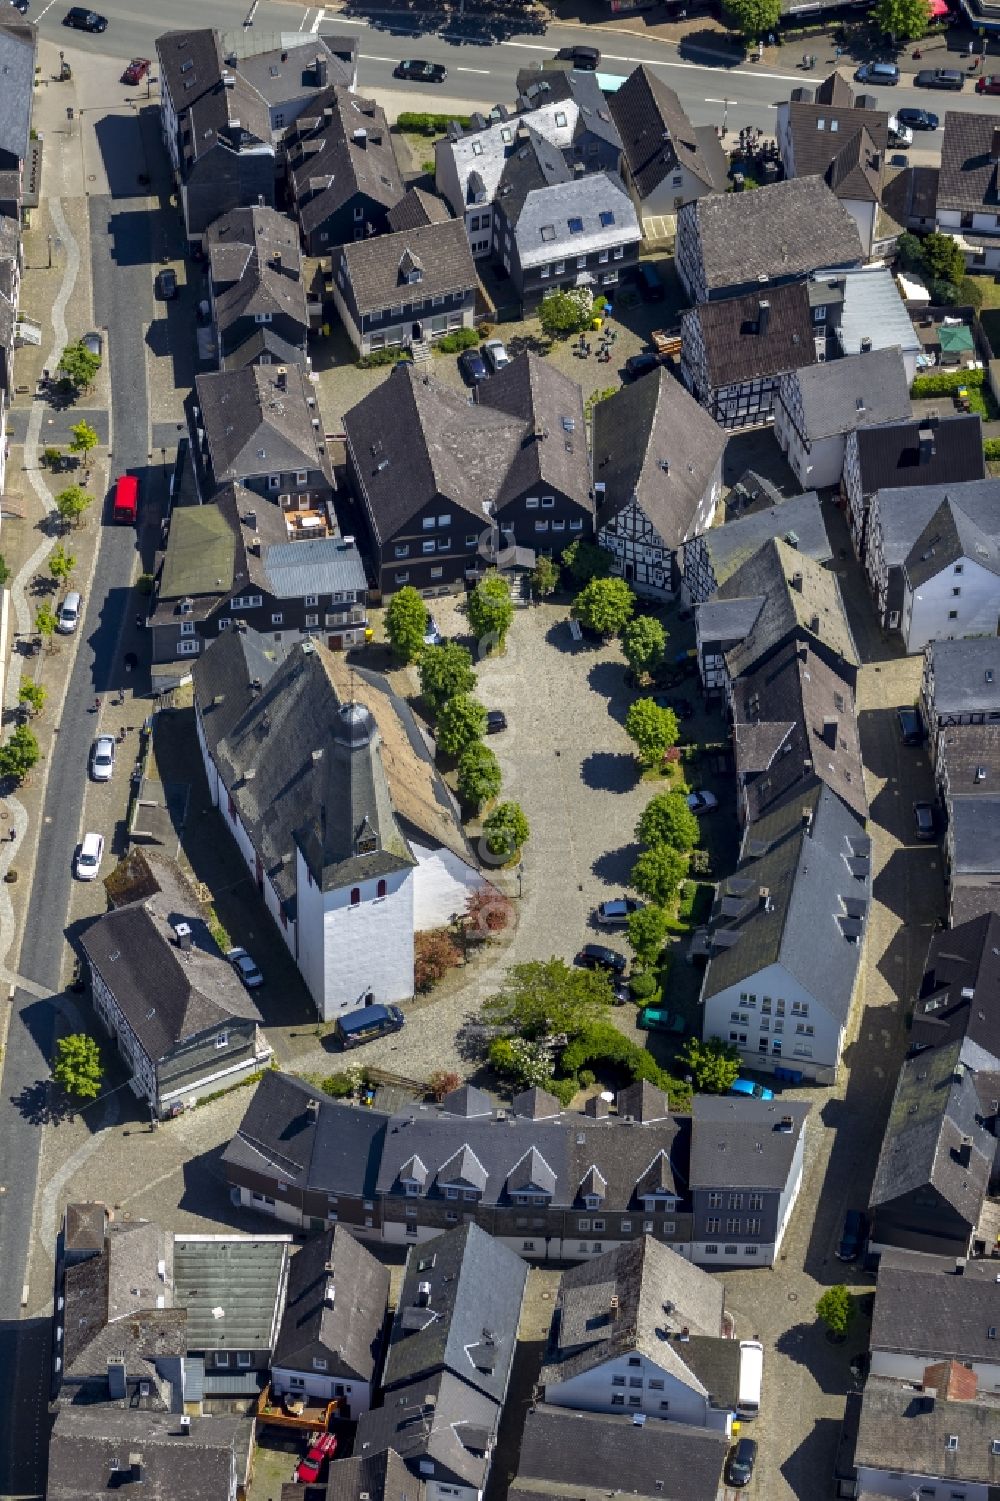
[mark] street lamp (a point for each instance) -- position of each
(49, 238)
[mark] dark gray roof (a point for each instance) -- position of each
(856, 391)
(587, 1455)
(974, 834)
(18, 41)
(378, 268)
(740, 1143)
(924, 1308)
(417, 207)
(544, 206)
(968, 178)
(286, 74)
(92, 1449)
(971, 755)
(964, 525)
(816, 609)
(653, 443)
(111, 1305)
(261, 247)
(255, 427)
(382, 1477)
(966, 675)
(902, 1431)
(442, 1419)
(891, 456)
(656, 132)
(467, 1101)
(737, 348)
(785, 230)
(341, 147)
(335, 1308)
(532, 391)
(85, 1226)
(467, 1322)
(841, 143)
(232, 1289)
(801, 518)
(190, 65)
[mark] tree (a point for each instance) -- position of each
(547, 995)
(653, 729)
(667, 819)
(487, 911)
(644, 642)
(32, 694)
(506, 830)
(479, 776)
(442, 1081)
(61, 563)
(84, 438)
(647, 933)
(545, 577)
(903, 20)
(754, 18)
(445, 671)
(491, 610)
(79, 366)
(78, 1069)
(46, 621)
(72, 502)
(837, 1308)
(406, 623)
(565, 313)
(586, 561)
(942, 259)
(461, 721)
(713, 1064)
(970, 292)
(604, 605)
(5, 573)
(658, 872)
(19, 754)
(524, 1063)
(434, 954)
(909, 251)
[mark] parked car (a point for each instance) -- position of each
(21, 6)
(911, 726)
(432, 636)
(739, 1465)
(886, 74)
(702, 802)
(89, 854)
(580, 57)
(655, 1019)
(988, 84)
(616, 913)
(245, 967)
(367, 1023)
(472, 367)
(93, 343)
(496, 721)
(102, 758)
(638, 365)
(136, 71)
(495, 353)
(166, 284)
(682, 707)
(69, 614)
(923, 818)
(917, 119)
(750, 1090)
(415, 70)
(322, 1446)
(852, 1241)
(939, 78)
(599, 956)
(651, 288)
(83, 19)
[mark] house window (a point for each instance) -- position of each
(451, 1193)
(635, 1381)
(656, 1384)
(711, 1250)
(311, 600)
(437, 573)
(222, 1358)
(634, 1401)
(402, 578)
(617, 1400)
(277, 618)
(626, 1227)
(311, 620)
(471, 540)
(548, 501)
(634, 1360)
(956, 591)
(381, 890)
(559, 267)
(262, 317)
(355, 896)
(444, 521)
(243, 1358)
(402, 550)
(618, 252)
(222, 1039)
(531, 504)
(187, 627)
(429, 546)
(273, 481)
(712, 1225)
(187, 648)
(576, 526)
(297, 1381)
(952, 614)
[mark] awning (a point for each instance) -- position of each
(938, 8)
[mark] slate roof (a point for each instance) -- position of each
(924, 1308)
(190, 64)
(374, 267)
(969, 166)
(415, 208)
(442, 1419)
(738, 1143)
(786, 230)
(18, 40)
(934, 1107)
(656, 132)
(902, 1431)
(974, 834)
(586, 1455)
(532, 391)
(959, 994)
(199, 555)
(813, 917)
(654, 443)
(815, 610)
(335, 1307)
(91, 1451)
(857, 391)
(890, 453)
(734, 348)
(965, 751)
(966, 524)
(84, 1227)
(330, 160)
(110, 1305)
(545, 201)
(267, 281)
(282, 568)
(287, 73)
(253, 427)
(467, 1323)
(800, 517)
(382, 1477)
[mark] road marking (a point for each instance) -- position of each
(484, 71)
(370, 57)
(659, 62)
(319, 16)
(44, 12)
(305, 17)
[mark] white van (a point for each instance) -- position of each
(751, 1377)
(69, 614)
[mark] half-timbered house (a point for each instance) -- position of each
(734, 353)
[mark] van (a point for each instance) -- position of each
(751, 1378)
(125, 504)
(69, 614)
(366, 1024)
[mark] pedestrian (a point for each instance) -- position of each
(138, 622)
(12, 835)
(97, 706)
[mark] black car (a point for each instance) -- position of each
(651, 288)
(414, 70)
(739, 1465)
(166, 284)
(917, 119)
(472, 367)
(580, 57)
(940, 78)
(21, 6)
(641, 364)
(496, 720)
(923, 818)
(599, 956)
(83, 19)
(911, 726)
(852, 1241)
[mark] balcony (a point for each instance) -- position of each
(307, 517)
(296, 1412)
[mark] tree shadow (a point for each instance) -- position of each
(610, 771)
(614, 867)
(607, 678)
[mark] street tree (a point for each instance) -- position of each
(72, 502)
(406, 623)
(644, 642)
(506, 829)
(654, 730)
(445, 671)
(462, 721)
(545, 578)
(714, 1065)
(5, 573)
(79, 366)
(46, 621)
(565, 313)
(491, 611)
(78, 1069)
(753, 19)
(61, 563)
(647, 933)
(479, 776)
(837, 1308)
(19, 754)
(586, 561)
(658, 873)
(83, 439)
(32, 695)
(604, 605)
(667, 819)
(547, 995)
(903, 20)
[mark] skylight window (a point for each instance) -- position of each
(548, 231)
(576, 226)
(607, 218)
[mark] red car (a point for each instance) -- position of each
(136, 70)
(322, 1448)
(990, 84)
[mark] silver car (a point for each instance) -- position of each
(102, 758)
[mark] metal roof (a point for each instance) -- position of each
(323, 566)
(232, 1287)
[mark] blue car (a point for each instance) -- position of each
(755, 1091)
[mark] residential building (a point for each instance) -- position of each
(416, 208)
(329, 1345)
(711, 558)
(856, 312)
(260, 427)
(439, 1433)
(587, 1455)
(958, 995)
(336, 807)
(786, 935)
(256, 291)
(181, 1019)
(936, 1440)
(730, 244)
(228, 1352)
(283, 572)
(934, 1308)
(910, 197)
(641, 1330)
(19, 172)
(509, 472)
(571, 110)
(960, 686)
(85, 1226)
(972, 868)
(819, 406)
(667, 161)
(933, 559)
(93, 1450)
(294, 74)
(405, 289)
(746, 1171)
(383, 1475)
(914, 453)
(967, 205)
(657, 458)
(342, 173)
(735, 352)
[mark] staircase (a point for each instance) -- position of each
(421, 351)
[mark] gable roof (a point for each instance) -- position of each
(839, 139)
(417, 207)
(652, 442)
(744, 342)
(254, 425)
(966, 525)
(925, 1306)
(442, 1419)
(553, 447)
(111, 1305)
(902, 1430)
(18, 40)
(336, 1301)
(382, 1477)
(267, 281)
(92, 1450)
(857, 391)
(341, 146)
(440, 251)
(798, 521)
(656, 132)
(966, 675)
(744, 1143)
(797, 597)
(921, 451)
(969, 162)
(959, 993)
(551, 208)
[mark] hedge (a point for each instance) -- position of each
(462, 338)
(946, 383)
(429, 125)
(642, 987)
(382, 357)
(991, 450)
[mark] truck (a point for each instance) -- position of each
(125, 503)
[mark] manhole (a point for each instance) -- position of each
(793, 1297)
(91, 176)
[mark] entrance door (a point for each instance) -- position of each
(418, 331)
(335, 643)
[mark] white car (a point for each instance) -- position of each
(102, 758)
(432, 636)
(899, 135)
(69, 614)
(89, 854)
(495, 354)
(702, 802)
(245, 968)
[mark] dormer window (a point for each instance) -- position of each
(592, 1201)
(366, 841)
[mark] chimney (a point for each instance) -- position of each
(284, 57)
(763, 315)
(423, 1295)
(319, 71)
(182, 932)
(764, 897)
(797, 581)
(928, 445)
(135, 1465)
(276, 259)
(312, 1109)
(803, 650)
(964, 1153)
(281, 378)
(814, 624)
(831, 724)
(250, 520)
(117, 1390)
(928, 1398)
(995, 144)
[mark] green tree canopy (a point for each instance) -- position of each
(605, 605)
(586, 561)
(654, 730)
(479, 778)
(647, 933)
(658, 872)
(754, 18)
(903, 20)
(506, 829)
(445, 671)
(491, 611)
(19, 754)
(405, 623)
(32, 694)
(461, 721)
(548, 995)
(46, 621)
(61, 563)
(713, 1064)
(942, 259)
(545, 578)
(837, 1308)
(83, 439)
(644, 642)
(667, 819)
(72, 502)
(564, 313)
(79, 366)
(78, 1069)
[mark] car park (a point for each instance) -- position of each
(69, 614)
(166, 284)
(83, 19)
(911, 726)
(886, 74)
(136, 71)
(472, 367)
(656, 1019)
(616, 913)
(939, 78)
(245, 967)
(89, 854)
(702, 802)
(322, 1446)
(855, 1234)
(580, 57)
(496, 721)
(415, 70)
(751, 1091)
(638, 365)
(988, 84)
(923, 818)
(599, 956)
(918, 119)
(495, 354)
(651, 288)
(102, 758)
(739, 1465)
(432, 636)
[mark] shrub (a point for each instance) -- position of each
(421, 124)
(339, 1086)
(945, 382)
(563, 1089)
(382, 357)
(991, 450)
(462, 338)
(434, 954)
(524, 1063)
(487, 911)
(587, 1078)
(642, 987)
(565, 313)
(970, 292)
(479, 775)
(442, 1081)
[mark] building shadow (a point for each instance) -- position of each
(26, 1361)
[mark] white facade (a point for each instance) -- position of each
(634, 1383)
(903, 1487)
(323, 1387)
(984, 222)
(775, 1022)
(962, 600)
(442, 883)
(817, 463)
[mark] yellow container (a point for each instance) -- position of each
(595, 323)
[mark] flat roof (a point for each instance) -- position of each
(231, 1287)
